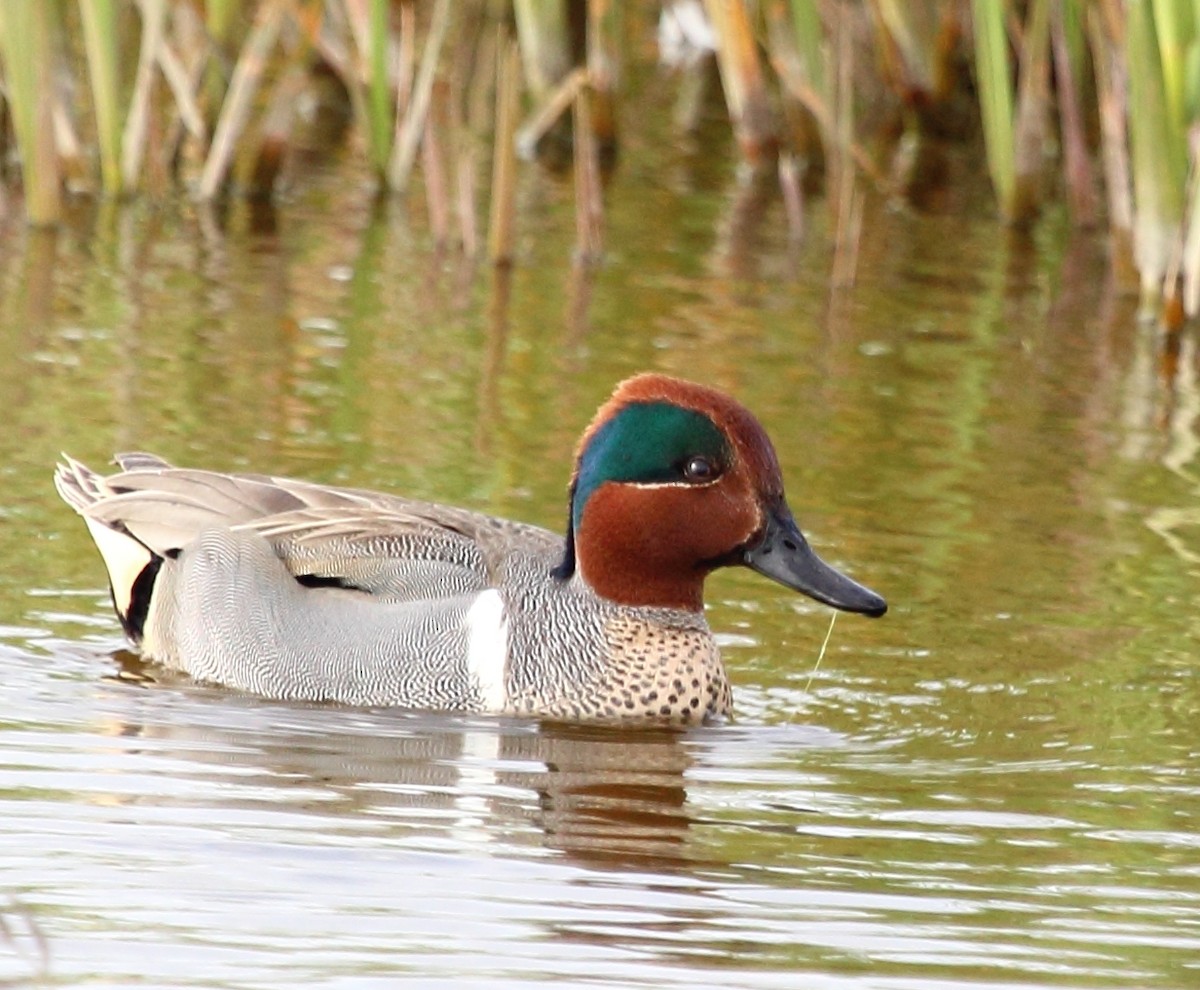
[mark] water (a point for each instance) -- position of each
(998, 784)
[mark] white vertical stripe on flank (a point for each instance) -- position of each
(487, 648)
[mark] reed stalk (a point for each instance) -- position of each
(589, 199)
(1175, 29)
(25, 34)
(1032, 114)
(1067, 44)
(220, 18)
(848, 200)
(183, 59)
(137, 124)
(743, 79)
(543, 45)
(275, 134)
(809, 36)
(379, 88)
(408, 136)
(407, 59)
(796, 46)
(501, 235)
(557, 102)
(1112, 98)
(103, 48)
(1158, 154)
(182, 84)
(911, 27)
(791, 187)
(996, 98)
(1190, 258)
(604, 24)
(236, 108)
(369, 26)
(823, 138)
(478, 101)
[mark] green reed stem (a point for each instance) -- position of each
(219, 19)
(810, 43)
(379, 89)
(542, 36)
(25, 35)
(1067, 46)
(1175, 28)
(219, 22)
(995, 97)
(103, 48)
(1159, 153)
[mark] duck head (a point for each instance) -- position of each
(673, 480)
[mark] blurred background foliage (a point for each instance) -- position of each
(1086, 103)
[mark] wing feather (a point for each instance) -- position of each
(396, 548)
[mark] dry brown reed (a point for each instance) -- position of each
(817, 92)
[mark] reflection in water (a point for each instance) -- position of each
(596, 793)
(24, 948)
(611, 795)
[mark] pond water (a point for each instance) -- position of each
(997, 784)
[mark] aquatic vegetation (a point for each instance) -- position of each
(215, 98)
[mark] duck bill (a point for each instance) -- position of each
(783, 554)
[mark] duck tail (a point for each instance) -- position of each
(132, 566)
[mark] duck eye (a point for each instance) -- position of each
(700, 469)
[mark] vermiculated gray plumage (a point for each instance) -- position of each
(295, 590)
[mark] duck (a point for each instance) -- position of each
(300, 591)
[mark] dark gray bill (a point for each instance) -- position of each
(783, 554)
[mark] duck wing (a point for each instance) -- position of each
(396, 548)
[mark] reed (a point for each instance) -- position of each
(220, 23)
(994, 76)
(589, 208)
(1031, 122)
(1112, 89)
(909, 46)
(26, 30)
(379, 88)
(542, 43)
(501, 228)
(413, 123)
(220, 19)
(102, 44)
(743, 79)
(236, 108)
(137, 123)
(1159, 155)
(847, 194)
(1068, 45)
(797, 50)
(604, 27)
(815, 92)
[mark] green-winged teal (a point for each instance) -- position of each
(295, 590)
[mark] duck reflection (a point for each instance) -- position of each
(600, 794)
